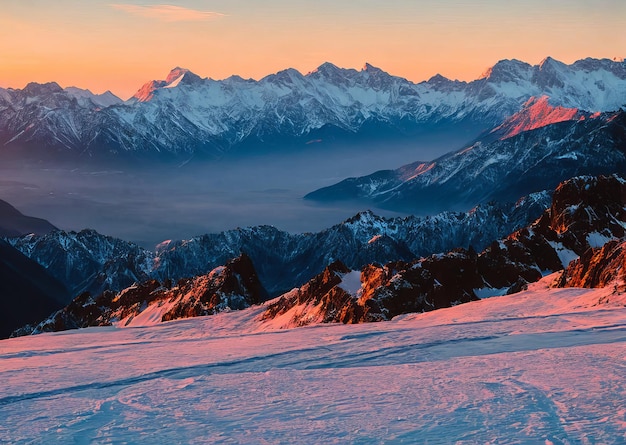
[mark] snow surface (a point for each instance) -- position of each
(545, 366)
(351, 282)
(596, 239)
(565, 255)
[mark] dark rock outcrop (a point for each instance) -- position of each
(233, 286)
(584, 211)
(598, 267)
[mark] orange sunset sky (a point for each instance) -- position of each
(119, 45)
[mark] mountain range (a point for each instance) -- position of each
(586, 213)
(533, 150)
(89, 261)
(186, 115)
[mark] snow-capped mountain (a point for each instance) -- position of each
(586, 212)
(86, 98)
(520, 156)
(88, 261)
(186, 114)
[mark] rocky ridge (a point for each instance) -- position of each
(586, 213)
(233, 286)
(581, 233)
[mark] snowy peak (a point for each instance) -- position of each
(616, 66)
(284, 77)
(550, 73)
(326, 69)
(371, 69)
(536, 113)
(176, 77)
(332, 74)
(105, 99)
(507, 71)
(146, 92)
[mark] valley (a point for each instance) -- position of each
(215, 263)
(150, 202)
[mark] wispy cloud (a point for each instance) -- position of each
(168, 13)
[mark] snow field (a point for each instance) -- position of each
(543, 366)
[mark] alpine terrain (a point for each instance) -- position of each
(186, 115)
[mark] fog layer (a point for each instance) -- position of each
(150, 203)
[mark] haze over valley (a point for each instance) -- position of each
(151, 203)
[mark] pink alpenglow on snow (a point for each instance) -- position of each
(541, 366)
(536, 113)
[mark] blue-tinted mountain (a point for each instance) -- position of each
(88, 261)
(27, 292)
(186, 115)
(533, 150)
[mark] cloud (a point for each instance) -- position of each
(168, 13)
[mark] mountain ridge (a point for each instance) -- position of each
(88, 261)
(534, 149)
(15, 223)
(186, 115)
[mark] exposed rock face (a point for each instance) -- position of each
(233, 286)
(322, 299)
(604, 197)
(585, 211)
(598, 267)
(385, 291)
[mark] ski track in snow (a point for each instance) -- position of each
(545, 366)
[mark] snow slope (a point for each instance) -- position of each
(542, 366)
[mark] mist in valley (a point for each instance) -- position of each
(147, 203)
